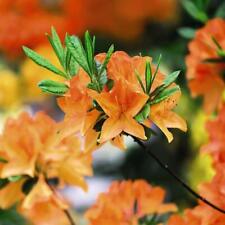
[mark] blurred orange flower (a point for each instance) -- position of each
(41, 147)
(126, 202)
(206, 78)
(126, 19)
(216, 143)
(24, 22)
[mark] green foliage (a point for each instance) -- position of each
(2, 160)
(221, 11)
(15, 178)
(195, 10)
(41, 61)
(11, 217)
(148, 220)
(53, 87)
(164, 95)
(28, 185)
(187, 32)
(143, 114)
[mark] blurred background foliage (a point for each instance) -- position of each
(164, 27)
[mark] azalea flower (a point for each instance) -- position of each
(206, 75)
(126, 202)
(122, 66)
(40, 151)
(216, 131)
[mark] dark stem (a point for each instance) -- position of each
(167, 169)
(67, 213)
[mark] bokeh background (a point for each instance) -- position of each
(149, 27)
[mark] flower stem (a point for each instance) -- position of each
(168, 170)
(67, 213)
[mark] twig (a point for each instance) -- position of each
(168, 170)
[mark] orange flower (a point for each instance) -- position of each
(204, 76)
(77, 104)
(41, 206)
(216, 143)
(121, 104)
(122, 66)
(42, 15)
(42, 147)
(126, 202)
(126, 19)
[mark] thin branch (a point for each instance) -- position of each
(168, 170)
(67, 213)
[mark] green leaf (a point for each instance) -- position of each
(15, 178)
(164, 95)
(220, 11)
(107, 58)
(194, 11)
(143, 114)
(92, 86)
(11, 217)
(89, 50)
(110, 84)
(139, 80)
(41, 61)
(187, 32)
(75, 47)
(166, 83)
(57, 46)
(3, 183)
(53, 87)
(157, 68)
(148, 77)
(2, 160)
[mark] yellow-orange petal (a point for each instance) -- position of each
(110, 129)
(131, 126)
(118, 141)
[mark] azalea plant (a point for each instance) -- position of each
(106, 97)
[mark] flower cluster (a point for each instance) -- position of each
(75, 16)
(205, 63)
(36, 155)
(133, 200)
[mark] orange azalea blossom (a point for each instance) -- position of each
(126, 202)
(122, 66)
(41, 147)
(216, 143)
(26, 14)
(41, 206)
(77, 104)
(126, 19)
(204, 76)
(121, 104)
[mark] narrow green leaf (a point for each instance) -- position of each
(41, 61)
(57, 46)
(53, 87)
(110, 84)
(139, 80)
(15, 178)
(220, 11)
(157, 68)
(107, 58)
(166, 83)
(143, 114)
(217, 43)
(2, 160)
(89, 50)
(75, 47)
(187, 32)
(3, 183)
(93, 43)
(92, 86)
(148, 77)
(165, 94)
(194, 11)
